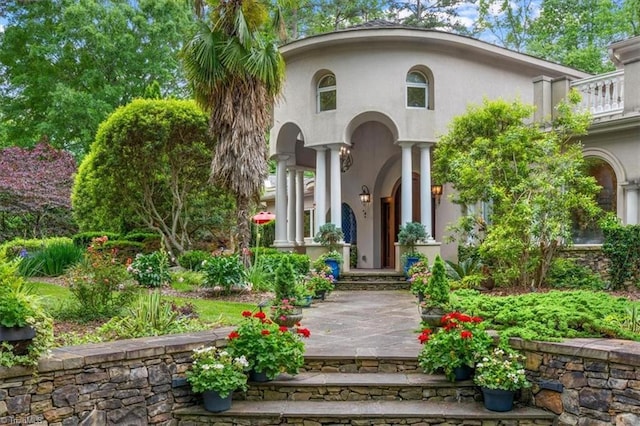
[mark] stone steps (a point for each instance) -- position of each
(368, 280)
(314, 413)
(314, 386)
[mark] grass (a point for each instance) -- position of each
(215, 311)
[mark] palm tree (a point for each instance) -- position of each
(236, 72)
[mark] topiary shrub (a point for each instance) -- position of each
(437, 289)
(285, 284)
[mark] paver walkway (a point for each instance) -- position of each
(364, 323)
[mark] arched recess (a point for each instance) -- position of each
(618, 170)
(370, 116)
(602, 166)
(287, 137)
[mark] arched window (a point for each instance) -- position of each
(417, 90)
(326, 96)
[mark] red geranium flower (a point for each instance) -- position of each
(424, 336)
(246, 314)
(466, 334)
(476, 320)
(265, 332)
(233, 335)
(304, 332)
(260, 315)
(283, 329)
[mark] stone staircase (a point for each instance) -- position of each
(344, 391)
(378, 279)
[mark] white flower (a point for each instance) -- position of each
(218, 366)
(242, 361)
(206, 367)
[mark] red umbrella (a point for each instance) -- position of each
(263, 217)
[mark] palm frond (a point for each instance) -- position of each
(266, 63)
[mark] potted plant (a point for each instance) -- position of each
(410, 234)
(320, 282)
(216, 374)
(269, 349)
(454, 347)
(329, 236)
(26, 331)
(419, 275)
(436, 294)
(500, 373)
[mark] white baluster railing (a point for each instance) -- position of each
(602, 94)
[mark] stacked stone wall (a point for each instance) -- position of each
(594, 382)
(590, 256)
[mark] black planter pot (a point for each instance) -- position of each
(214, 403)
(432, 316)
(260, 377)
(13, 334)
(463, 372)
(497, 399)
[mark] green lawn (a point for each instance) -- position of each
(217, 311)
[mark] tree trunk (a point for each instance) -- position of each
(244, 230)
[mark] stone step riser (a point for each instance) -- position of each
(372, 286)
(332, 421)
(278, 392)
(368, 278)
(361, 365)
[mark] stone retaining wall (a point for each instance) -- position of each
(594, 382)
(590, 256)
(585, 381)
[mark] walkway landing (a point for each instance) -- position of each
(364, 324)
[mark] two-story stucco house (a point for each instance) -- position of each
(363, 108)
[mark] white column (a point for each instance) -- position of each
(336, 187)
(425, 188)
(407, 184)
(281, 201)
(300, 207)
(291, 210)
(631, 195)
(320, 189)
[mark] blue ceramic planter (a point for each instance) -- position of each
(411, 260)
(498, 399)
(335, 267)
(214, 402)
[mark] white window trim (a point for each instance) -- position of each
(424, 86)
(320, 90)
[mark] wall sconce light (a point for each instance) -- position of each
(346, 160)
(365, 199)
(436, 192)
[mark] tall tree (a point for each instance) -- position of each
(148, 168)
(35, 189)
(66, 64)
(507, 21)
(435, 14)
(577, 33)
(530, 179)
(236, 72)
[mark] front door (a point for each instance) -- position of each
(388, 233)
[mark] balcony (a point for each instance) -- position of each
(602, 95)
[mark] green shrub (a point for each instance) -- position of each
(151, 270)
(151, 241)
(124, 249)
(269, 263)
(52, 260)
(621, 245)
(14, 248)
(98, 284)
(224, 271)
(548, 316)
(566, 273)
(83, 239)
(285, 285)
(192, 259)
(148, 316)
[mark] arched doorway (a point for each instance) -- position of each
(590, 233)
(391, 216)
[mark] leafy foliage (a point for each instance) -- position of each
(20, 307)
(329, 236)
(148, 167)
(502, 368)
(437, 288)
(566, 273)
(270, 349)
(151, 270)
(459, 342)
(547, 316)
(98, 284)
(63, 75)
(224, 271)
(36, 185)
(19, 247)
(52, 260)
(622, 247)
(215, 370)
(529, 180)
(285, 280)
(193, 259)
(410, 234)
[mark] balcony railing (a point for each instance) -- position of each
(603, 94)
